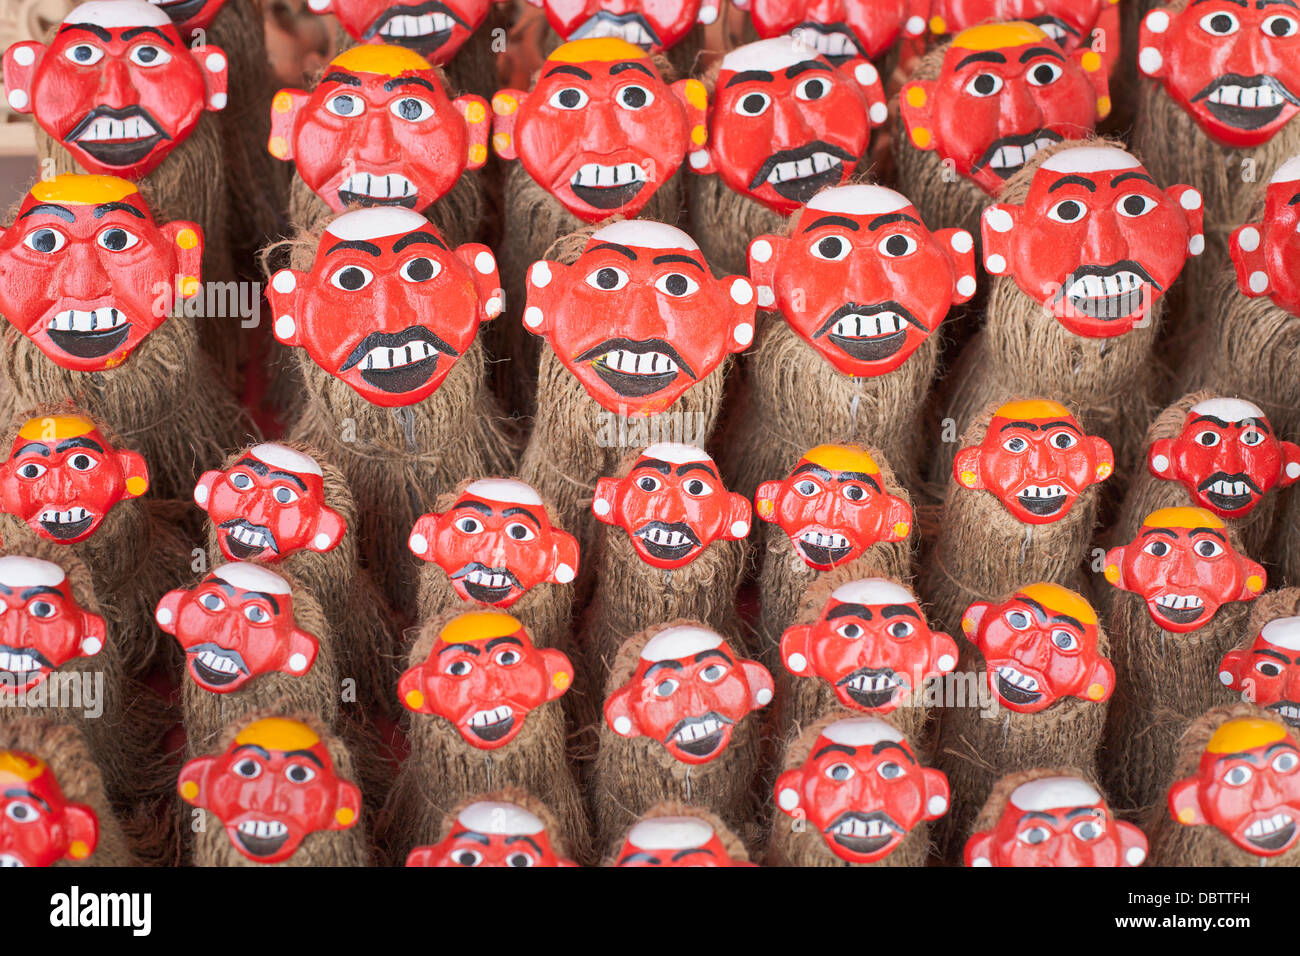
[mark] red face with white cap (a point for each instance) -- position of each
(1267, 671)
(1267, 253)
(674, 841)
(1057, 821)
(433, 29)
(653, 24)
(839, 30)
(491, 833)
(41, 625)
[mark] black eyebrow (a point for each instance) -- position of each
(792, 71)
(521, 511)
(886, 744)
(898, 610)
(476, 505)
(1077, 180)
(1294, 200)
(397, 81)
(656, 464)
(290, 476)
(525, 839)
(858, 476)
(1040, 51)
(1282, 657)
(630, 65)
(412, 238)
(1040, 612)
(39, 589)
(574, 70)
(712, 652)
(24, 794)
(817, 470)
(275, 605)
(640, 856)
(1039, 815)
(675, 257)
(502, 640)
(1280, 745)
(1255, 422)
(1249, 758)
(79, 443)
(1066, 619)
(891, 217)
(89, 28)
(844, 221)
(620, 249)
(696, 466)
(835, 748)
(471, 835)
(1131, 174)
(50, 209)
(305, 753)
(1028, 425)
(663, 665)
(6, 589)
(746, 76)
(137, 31)
(104, 209)
(681, 854)
(253, 465)
(991, 56)
(1210, 531)
(1164, 531)
(467, 648)
(1062, 424)
(34, 446)
(367, 247)
(1261, 4)
(849, 610)
(1083, 812)
(338, 77)
(262, 750)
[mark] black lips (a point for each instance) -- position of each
(802, 190)
(1042, 506)
(260, 846)
(827, 557)
(65, 532)
(237, 547)
(1016, 695)
(494, 731)
(404, 378)
(1246, 117)
(1006, 172)
(662, 551)
(425, 43)
(1230, 502)
(629, 384)
(870, 699)
(869, 348)
(864, 845)
(1108, 307)
(117, 154)
(608, 197)
(1275, 840)
(1178, 615)
(349, 198)
(481, 593)
(90, 344)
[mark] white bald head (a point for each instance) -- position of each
(1090, 159)
(499, 819)
(251, 577)
(505, 490)
(645, 234)
(768, 55)
(1288, 172)
(862, 732)
(20, 571)
(1282, 631)
(873, 591)
(670, 833)
(674, 643)
(375, 222)
(859, 200)
(1229, 409)
(285, 459)
(676, 453)
(111, 14)
(1054, 793)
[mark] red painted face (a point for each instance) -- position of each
(839, 30)
(379, 130)
(484, 675)
(1227, 456)
(674, 841)
(491, 833)
(41, 625)
(190, 15)
(273, 787)
(673, 505)
(38, 826)
(86, 273)
(1267, 254)
(601, 130)
(63, 477)
(1057, 821)
(689, 691)
(496, 542)
(785, 124)
(1004, 92)
(1036, 459)
(1234, 68)
(1183, 565)
(268, 505)
(236, 624)
(1040, 646)
(117, 86)
(1068, 22)
(1246, 786)
(432, 29)
(871, 644)
(422, 301)
(862, 789)
(1096, 241)
(1267, 672)
(833, 506)
(861, 279)
(653, 24)
(639, 318)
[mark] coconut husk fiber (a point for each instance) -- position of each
(991, 812)
(794, 843)
(631, 775)
(64, 750)
(212, 847)
(980, 550)
(1286, 542)
(1269, 606)
(520, 798)
(1172, 843)
(732, 843)
(443, 770)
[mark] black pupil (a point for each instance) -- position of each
(1159, 548)
(83, 53)
(80, 461)
(853, 492)
(518, 533)
(815, 89)
(297, 774)
(753, 103)
(896, 245)
(607, 278)
(899, 630)
(841, 772)
(830, 247)
(344, 105)
(1044, 73)
(1207, 440)
(984, 83)
(352, 278)
(282, 496)
(1272, 670)
(1037, 835)
(409, 109)
(647, 484)
(634, 97)
(1134, 205)
(147, 54)
(1017, 444)
(465, 859)
(20, 812)
(1206, 549)
(420, 269)
(695, 487)
(675, 284)
(1062, 441)
(29, 471)
(460, 667)
(518, 860)
(1070, 210)
(45, 240)
(1281, 27)
(115, 239)
(246, 768)
(570, 98)
(42, 609)
(1221, 23)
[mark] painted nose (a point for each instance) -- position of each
(226, 632)
(1266, 795)
(1020, 110)
(602, 129)
(1182, 571)
(1038, 460)
(376, 142)
(1231, 455)
(80, 275)
(115, 87)
(789, 126)
(1033, 649)
(1103, 242)
(1291, 683)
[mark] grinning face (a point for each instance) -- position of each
(1246, 786)
(117, 85)
(63, 477)
(839, 30)
(484, 675)
(1068, 22)
(600, 130)
(833, 506)
(1267, 254)
(653, 24)
(1234, 67)
(1040, 646)
(1185, 568)
(861, 279)
(236, 624)
(1004, 92)
(1267, 671)
(496, 542)
(674, 841)
(871, 643)
(273, 787)
(422, 301)
(38, 826)
(786, 124)
(689, 691)
(87, 274)
(379, 130)
(639, 318)
(42, 626)
(1096, 241)
(1036, 459)
(862, 789)
(1227, 456)
(432, 29)
(492, 833)
(269, 504)
(1057, 821)
(672, 504)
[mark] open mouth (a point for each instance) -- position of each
(23, 667)
(668, 542)
(823, 547)
(89, 333)
(262, 837)
(372, 189)
(1288, 710)
(636, 369)
(117, 137)
(1179, 608)
(1229, 492)
(179, 10)
(872, 688)
(799, 174)
(1015, 687)
(1007, 155)
(864, 833)
(834, 41)
(869, 333)
(1042, 500)
(422, 27)
(245, 539)
(700, 736)
(397, 362)
(491, 725)
(1108, 292)
(1272, 833)
(486, 585)
(607, 186)
(66, 524)
(632, 27)
(1246, 102)
(215, 666)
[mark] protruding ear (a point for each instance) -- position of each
(966, 468)
(1254, 577)
(765, 254)
(81, 826)
(1160, 458)
(1185, 802)
(795, 646)
(487, 281)
(979, 849)
(1193, 206)
(1101, 681)
(960, 248)
(564, 566)
(285, 107)
(739, 517)
(788, 795)
(478, 120)
(1114, 567)
(898, 519)
(943, 652)
(618, 713)
(1246, 246)
(136, 471)
(695, 100)
(741, 292)
(505, 110)
(702, 161)
(203, 490)
(21, 62)
(760, 683)
(1104, 456)
(1151, 41)
(543, 288)
(410, 690)
(1290, 463)
(168, 609)
(187, 238)
(421, 856)
(1230, 667)
(1094, 68)
(215, 76)
(915, 105)
(1134, 843)
(867, 77)
(765, 500)
(936, 793)
(970, 619)
(330, 527)
(560, 670)
(348, 806)
(93, 634)
(282, 293)
(996, 225)
(420, 541)
(602, 502)
(303, 648)
(192, 784)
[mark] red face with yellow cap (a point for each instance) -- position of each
(492, 833)
(63, 477)
(655, 25)
(600, 130)
(1005, 91)
(839, 30)
(274, 786)
(379, 130)
(1184, 567)
(834, 506)
(1036, 459)
(87, 274)
(433, 29)
(1267, 671)
(42, 626)
(38, 826)
(484, 675)
(674, 841)
(1039, 647)
(1266, 254)
(1246, 786)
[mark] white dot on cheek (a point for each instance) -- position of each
(285, 327)
(1196, 244)
(865, 74)
(17, 99)
(215, 62)
(995, 264)
(419, 543)
(1150, 60)
(321, 540)
(999, 220)
(1293, 470)
(699, 159)
(1158, 21)
(318, 6)
(622, 726)
(788, 799)
(981, 861)
(763, 697)
(1159, 462)
(1225, 678)
(1248, 239)
(879, 112)
(1135, 855)
(218, 101)
(163, 616)
(484, 262)
(743, 333)
(492, 307)
(297, 662)
(91, 646)
(966, 285)
(962, 241)
(200, 494)
(946, 663)
(766, 296)
(796, 663)
(284, 282)
(915, 26)
(24, 56)
(760, 250)
(937, 805)
(563, 573)
(1190, 200)
(1258, 281)
(532, 316)
(742, 293)
(600, 506)
(739, 529)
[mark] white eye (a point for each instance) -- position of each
(82, 462)
(753, 104)
(212, 602)
(117, 239)
(890, 770)
(853, 492)
(634, 97)
(831, 248)
(676, 285)
(697, 488)
(713, 673)
(346, 105)
(351, 278)
(1268, 668)
(665, 688)
(1019, 620)
(813, 88)
(84, 54)
(607, 279)
(1157, 548)
(519, 858)
(807, 488)
(901, 629)
(898, 245)
(1087, 830)
(1238, 776)
(1279, 26)
(1044, 74)
(1207, 548)
(1067, 211)
(984, 84)
(840, 772)
(520, 532)
(1251, 438)
(469, 525)
(300, 773)
(31, 470)
(420, 269)
(1134, 205)
(45, 240)
(41, 609)
(467, 858)
(850, 631)
(1064, 440)
(1286, 761)
(1065, 640)
(649, 483)
(1034, 835)
(241, 481)
(20, 811)
(1015, 444)
(248, 769)
(1219, 24)
(460, 668)
(569, 98)
(285, 495)
(1207, 438)
(146, 54)
(509, 657)
(411, 108)
(256, 614)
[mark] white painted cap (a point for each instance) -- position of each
(674, 643)
(252, 577)
(861, 199)
(507, 490)
(1054, 793)
(375, 222)
(645, 234)
(21, 571)
(1282, 631)
(111, 14)
(770, 55)
(873, 591)
(670, 833)
(1288, 172)
(1090, 159)
(500, 819)
(285, 459)
(862, 732)
(1228, 409)
(675, 453)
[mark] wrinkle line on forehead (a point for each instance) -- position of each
(750, 76)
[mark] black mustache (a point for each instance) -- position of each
(480, 566)
(399, 10)
(679, 527)
(395, 340)
(220, 652)
(1124, 265)
(648, 345)
(1224, 476)
(244, 523)
(880, 815)
(1237, 79)
(111, 112)
(41, 659)
(871, 672)
(796, 154)
(1013, 141)
(694, 720)
(853, 308)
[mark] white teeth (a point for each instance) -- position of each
(1251, 97)
(1179, 601)
(639, 363)
(596, 174)
(103, 129)
(383, 357)
(372, 186)
(863, 828)
(827, 44)
(1229, 488)
(244, 535)
(218, 663)
(854, 326)
(697, 729)
(873, 682)
(1289, 711)
(632, 32)
(1098, 287)
(819, 162)
(71, 516)
(1261, 828)
(819, 539)
(82, 320)
(423, 25)
(1013, 157)
(487, 579)
(18, 662)
(263, 828)
(1041, 491)
(668, 539)
(486, 718)
(1017, 679)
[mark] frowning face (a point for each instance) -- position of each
(38, 826)
(1267, 671)
(432, 29)
(653, 24)
(1267, 253)
(117, 85)
(190, 15)
(42, 626)
(839, 30)
(492, 833)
